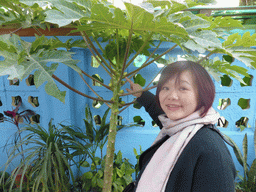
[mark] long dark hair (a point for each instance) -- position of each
(203, 82)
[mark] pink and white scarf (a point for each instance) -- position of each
(158, 170)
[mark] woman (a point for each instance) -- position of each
(189, 154)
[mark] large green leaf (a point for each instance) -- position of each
(252, 174)
(236, 40)
(190, 21)
(246, 55)
(138, 19)
(145, 21)
(21, 60)
(236, 151)
(172, 6)
(204, 40)
(65, 12)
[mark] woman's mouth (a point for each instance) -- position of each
(173, 107)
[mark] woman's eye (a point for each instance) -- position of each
(165, 88)
(183, 88)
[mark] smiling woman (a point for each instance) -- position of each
(178, 97)
(189, 153)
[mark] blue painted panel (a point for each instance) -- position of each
(2, 87)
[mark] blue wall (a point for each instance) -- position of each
(73, 110)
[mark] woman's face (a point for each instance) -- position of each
(179, 99)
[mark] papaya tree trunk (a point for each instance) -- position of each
(108, 171)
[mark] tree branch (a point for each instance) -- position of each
(126, 54)
(138, 52)
(86, 74)
(127, 105)
(202, 59)
(91, 46)
(78, 92)
(133, 92)
(146, 64)
(102, 50)
(155, 77)
(92, 89)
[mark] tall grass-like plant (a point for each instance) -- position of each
(246, 183)
(92, 180)
(49, 155)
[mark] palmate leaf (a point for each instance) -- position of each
(173, 6)
(9, 66)
(9, 50)
(203, 40)
(20, 60)
(224, 22)
(65, 12)
(44, 73)
(246, 55)
(236, 40)
(234, 47)
(7, 17)
(104, 18)
(145, 21)
(138, 19)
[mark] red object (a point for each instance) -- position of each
(10, 113)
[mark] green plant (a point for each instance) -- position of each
(115, 38)
(136, 167)
(97, 133)
(92, 180)
(15, 117)
(246, 183)
(48, 158)
(97, 137)
(6, 182)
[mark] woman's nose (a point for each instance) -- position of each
(173, 95)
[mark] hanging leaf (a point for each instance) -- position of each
(65, 13)
(236, 151)
(245, 151)
(228, 58)
(252, 175)
(94, 61)
(206, 39)
(20, 64)
(139, 79)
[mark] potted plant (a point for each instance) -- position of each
(48, 158)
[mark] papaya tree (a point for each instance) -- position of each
(115, 38)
